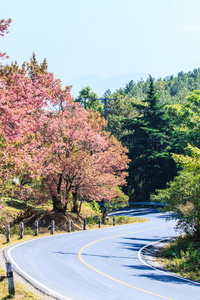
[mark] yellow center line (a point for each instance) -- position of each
(114, 279)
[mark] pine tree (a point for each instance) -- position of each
(150, 143)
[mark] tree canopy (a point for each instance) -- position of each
(89, 100)
(182, 195)
(150, 144)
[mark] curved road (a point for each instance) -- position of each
(101, 264)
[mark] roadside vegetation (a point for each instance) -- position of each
(182, 199)
(21, 292)
(15, 211)
(182, 256)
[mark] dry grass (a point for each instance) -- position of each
(21, 292)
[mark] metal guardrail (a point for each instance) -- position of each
(155, 204)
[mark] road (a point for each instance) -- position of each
(101, 264)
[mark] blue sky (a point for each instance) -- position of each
(104, 38)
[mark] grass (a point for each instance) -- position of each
(182, 256)
(21, 292)
(15, 208)
(93, 222)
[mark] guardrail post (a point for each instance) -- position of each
(52, 226)
(99, 222)
(84, 224)
(8, 233)
(21, 228)
(69, 225)
(9, 273)
(36, 228)
(114, 221)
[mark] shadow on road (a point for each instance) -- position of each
(167, 278)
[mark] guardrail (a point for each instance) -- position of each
(143, 204)
(155, 204)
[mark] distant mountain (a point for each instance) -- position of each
(100, 85)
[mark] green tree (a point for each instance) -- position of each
(182, 196)
(172, 89)
(120, 201)
(150, 143)
(186, 120)
(118, 110)
(89, 100)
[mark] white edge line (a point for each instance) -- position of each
(162, 271)
(28, 276)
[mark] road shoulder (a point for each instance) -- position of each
(147, 255)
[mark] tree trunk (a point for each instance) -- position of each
(80, 206)
(75, 208)
(104, 214)
(58, 205)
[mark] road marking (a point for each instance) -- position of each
(112, 278)
(30, 279)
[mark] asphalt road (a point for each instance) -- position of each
(102, 264)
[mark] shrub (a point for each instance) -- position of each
(92, 220)
(94, 206)
(183, 256)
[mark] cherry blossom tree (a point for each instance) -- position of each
(24, 106)
(46, 136)
(82, 160)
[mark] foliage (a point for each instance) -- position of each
(173, 89)
(150, 143)
(118, 110)
(92, 220)
(22, 103)
(14, 230)
(89, 100)
(182, 195)
(82, 158)
(1, 207)
(181, 98)
(30, 69)
(186, 120)
(123, 220)
(50, 139)
(183, 256)
(120, 201)
(57, 147)
(94, 206)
